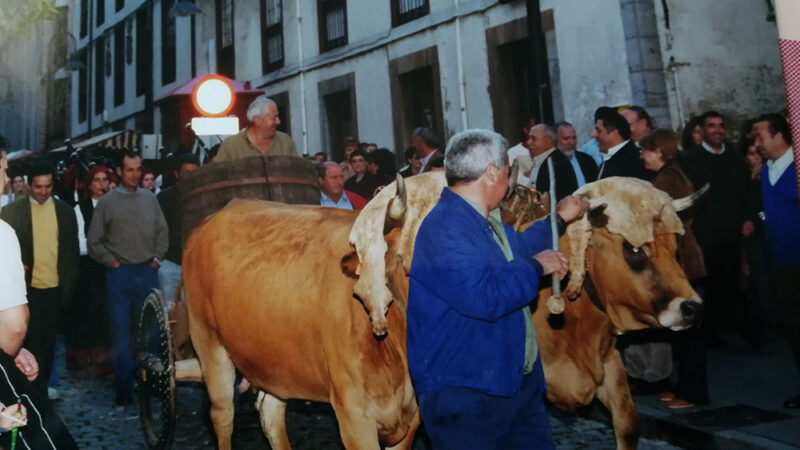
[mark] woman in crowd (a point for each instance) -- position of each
(383, 163)
(149, 181)
(87, 336)
(659, 152)
(692, 133)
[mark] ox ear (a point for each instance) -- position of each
(350, 265)
(512, 179)
(597, 216)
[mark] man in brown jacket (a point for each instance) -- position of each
(261, 136)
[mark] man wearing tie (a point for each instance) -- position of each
(572, 169)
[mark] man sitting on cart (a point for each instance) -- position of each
(261, 136)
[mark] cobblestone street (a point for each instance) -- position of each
(87, 407)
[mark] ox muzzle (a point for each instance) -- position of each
(682, 313)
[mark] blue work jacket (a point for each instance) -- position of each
(465, 321)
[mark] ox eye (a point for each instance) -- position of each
(636, 257)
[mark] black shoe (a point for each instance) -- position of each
(793, 402)
(124, 397)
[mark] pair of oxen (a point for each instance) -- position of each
(280, 292)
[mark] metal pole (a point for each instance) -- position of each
(89, 66)
(786, 14)
(541, 97)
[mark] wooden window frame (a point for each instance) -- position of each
(325, 7)
(411, 15)
(269, 32)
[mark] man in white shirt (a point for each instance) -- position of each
(540, 143)
(782, 214)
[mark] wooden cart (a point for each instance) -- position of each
(163, 350)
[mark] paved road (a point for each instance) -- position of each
(87, 407)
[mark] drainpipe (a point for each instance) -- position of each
(90, 53)
(462, 94)
(676, 87)
(541, 97)
(302, 79)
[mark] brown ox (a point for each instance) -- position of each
(267, 295)
(624, 273)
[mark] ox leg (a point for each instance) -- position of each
(219, 375)
(272, 415)
(358, 432)
(408, 440)
(616, 396)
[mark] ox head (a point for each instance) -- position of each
(627, 242)
(398, 208)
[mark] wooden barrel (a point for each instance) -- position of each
(208, 189)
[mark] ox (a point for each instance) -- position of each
(267, 294)
(624, 275)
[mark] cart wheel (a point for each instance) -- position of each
(156, 373)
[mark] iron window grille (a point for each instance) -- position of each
(271, 35)
(404, 11)
(332, 24)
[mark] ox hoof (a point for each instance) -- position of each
(555, 305)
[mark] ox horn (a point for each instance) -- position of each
(397, 210)
(512, 179)
(686, 202)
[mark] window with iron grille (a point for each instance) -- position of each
(101, 12)
(404, 11)
(119, 65)
(84, 18)
(271, 35)
(168, 53)
(226, 55)
(99, 74)
(332, 20)
(226, 35)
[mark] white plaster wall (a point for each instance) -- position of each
(592, 55)
(247, 38)
(374, 100)
(728, 58)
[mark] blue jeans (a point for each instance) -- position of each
(464, 418)
(127, 287)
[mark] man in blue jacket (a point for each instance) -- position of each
(782, 217)
(472, 349)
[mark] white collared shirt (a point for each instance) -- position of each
(424, 161)
(608, 154)
(711, 150)
(776, 168)
(538, 160)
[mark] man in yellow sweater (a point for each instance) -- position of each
(48, 235)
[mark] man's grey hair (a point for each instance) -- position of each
(470, 152)
(564, 124)
(548, 131)
(259, 107)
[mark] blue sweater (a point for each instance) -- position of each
(465, 321)
(782, 215)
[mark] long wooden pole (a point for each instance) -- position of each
(787, 13)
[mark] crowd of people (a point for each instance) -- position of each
(92, 258)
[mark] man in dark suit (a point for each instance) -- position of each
(427, 145)
(620, 153)
(572, 169)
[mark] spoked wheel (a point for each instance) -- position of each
(156, 373)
